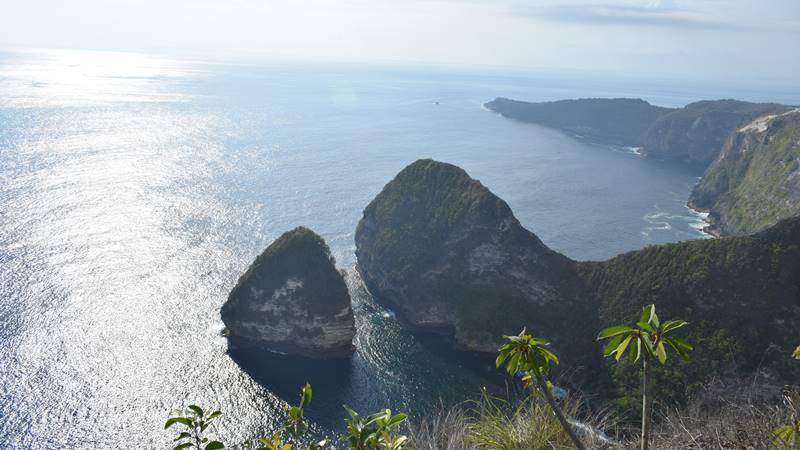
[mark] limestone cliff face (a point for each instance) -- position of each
(292, 299)
(449, 256)
(755, 182)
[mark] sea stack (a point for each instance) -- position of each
(292, 300)
(447, 255)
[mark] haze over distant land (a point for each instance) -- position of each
(742, 42)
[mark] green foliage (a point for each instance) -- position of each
(695, 134)
(788, 435)
(528, 424)
(529, 355)
(373, 432)
(299, 253)
(295, 426)
(195, 422)
(744, 302)
(753, 185)
(649, 338)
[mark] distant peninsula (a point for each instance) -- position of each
(692, 135)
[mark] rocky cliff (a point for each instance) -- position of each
(293, 300)
(448, 255)
(755, 182)
(695, 134)
(740, 294)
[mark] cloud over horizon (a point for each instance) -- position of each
(743, 41)
(643, 16)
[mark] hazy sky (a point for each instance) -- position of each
(740, 41)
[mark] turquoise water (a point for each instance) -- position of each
(135, 189)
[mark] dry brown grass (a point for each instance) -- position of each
(731, 415)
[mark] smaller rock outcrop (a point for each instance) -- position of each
(292, 300)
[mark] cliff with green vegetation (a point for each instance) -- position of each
(616, 121)
(449, 256)
(741, 295)
(693, 135)
(292, 299)
(755, 182)
(696, 133)
(444, 252)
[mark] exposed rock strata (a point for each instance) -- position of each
(449, 256)
(293, 300)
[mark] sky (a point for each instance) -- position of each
(736, 41)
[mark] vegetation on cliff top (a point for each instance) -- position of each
(756, 180)
(438, 247)
(441, 195)
(299, 253)
(696, 133)
(742, 295)
(529, 422)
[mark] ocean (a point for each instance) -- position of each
(135, 189)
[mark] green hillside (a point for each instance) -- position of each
(756, 180)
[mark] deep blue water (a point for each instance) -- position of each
(135, 189)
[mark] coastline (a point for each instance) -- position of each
(709, 229)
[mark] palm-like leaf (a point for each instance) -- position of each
(648, 337)
(525, 353)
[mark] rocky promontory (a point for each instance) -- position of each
(449, 256)
(692, 136)
(292, 300)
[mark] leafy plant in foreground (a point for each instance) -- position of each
(295, 426)
(789, 434)
(195, 422)
(648, 341)
(527, 354)
(374, 431)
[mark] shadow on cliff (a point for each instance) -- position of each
(285, 375)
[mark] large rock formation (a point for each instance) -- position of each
(755, 182)
(292, 299)
(449, 256)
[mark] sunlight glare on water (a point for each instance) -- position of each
(136, 189)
